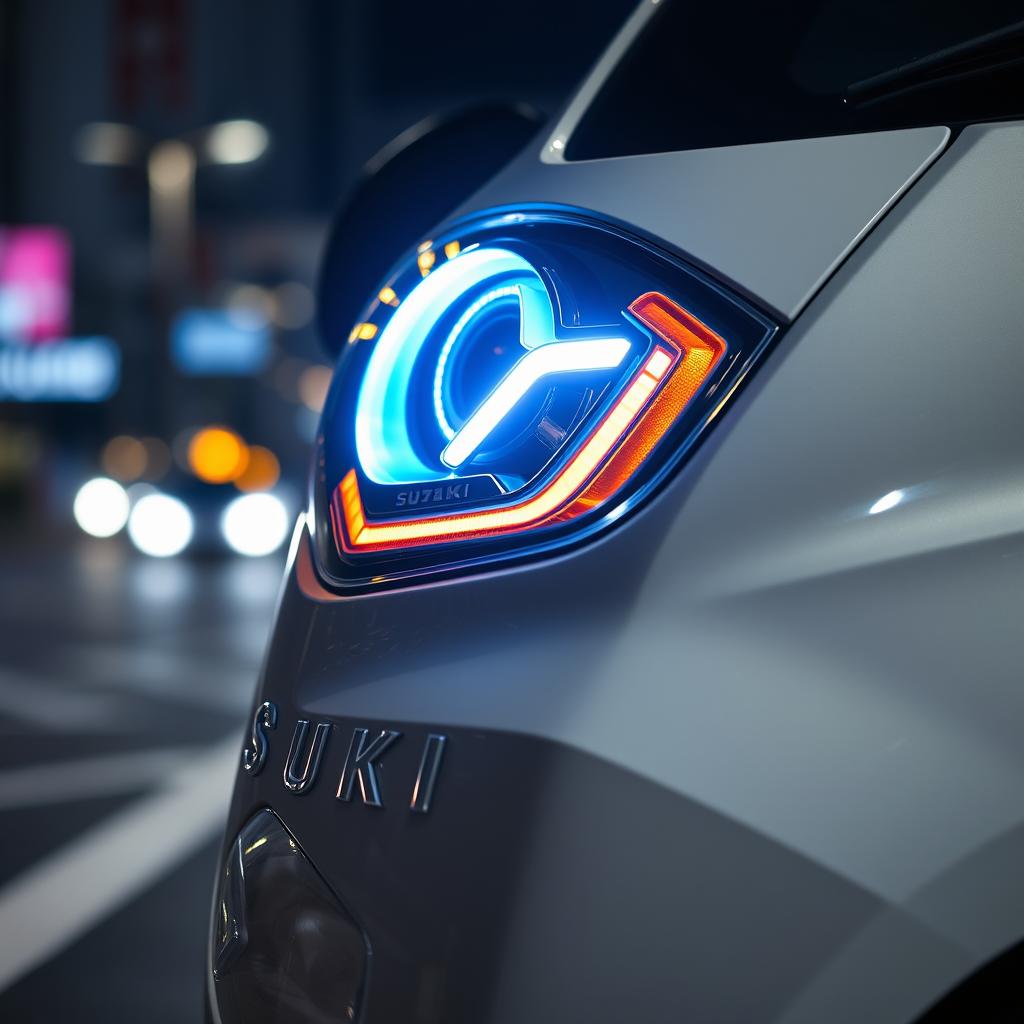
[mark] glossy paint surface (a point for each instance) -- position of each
(773, 220)
(811, 636)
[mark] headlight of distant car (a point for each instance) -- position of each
(514, 386)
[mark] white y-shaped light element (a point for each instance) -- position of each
(556, 357)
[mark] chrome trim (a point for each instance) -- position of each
(292, 779)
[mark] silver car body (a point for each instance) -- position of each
(754, 754)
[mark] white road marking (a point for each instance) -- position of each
(87, 777)
(50, 905)
(190, 681)
(51, 706)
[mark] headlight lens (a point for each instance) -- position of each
(517, 383)
(285, 950)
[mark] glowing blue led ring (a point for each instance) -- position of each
(383, 443)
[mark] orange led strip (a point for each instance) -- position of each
(702, 348)
(672, 374)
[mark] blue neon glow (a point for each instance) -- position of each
(68, 370)
(217, 343)
(383, 444)
(442, 361)
(549, 359)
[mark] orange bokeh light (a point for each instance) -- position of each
(262, 472)
(217, 455)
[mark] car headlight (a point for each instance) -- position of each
(284, 948)
(516, 385)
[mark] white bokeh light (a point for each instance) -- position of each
(160, 525)
(236, 142)
(255, 524)
(101, 507)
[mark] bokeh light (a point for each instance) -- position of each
(101, 507)
(236, 142)
(217, 455)
(262, 471)
(124, 458)
(255, 524)
(313, 385)
(250, 306)
(171, 166)
(160, 525)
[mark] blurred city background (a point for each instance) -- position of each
(168, 172)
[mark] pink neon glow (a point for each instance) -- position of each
(35, 272)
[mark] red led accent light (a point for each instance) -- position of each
(651, 402)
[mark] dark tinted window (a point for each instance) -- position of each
(718, 74)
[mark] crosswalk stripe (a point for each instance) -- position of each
(88, 777)
(50, 905)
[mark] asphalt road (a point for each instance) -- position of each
(124, 685)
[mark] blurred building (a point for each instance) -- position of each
(192, 155)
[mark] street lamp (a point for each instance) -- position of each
(171, 166)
